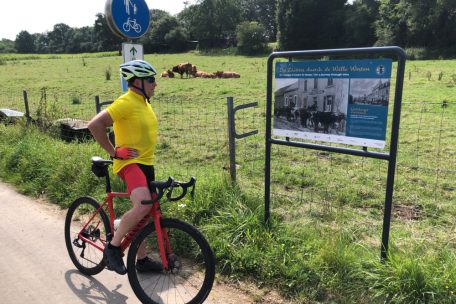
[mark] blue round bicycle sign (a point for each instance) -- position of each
(127, 18)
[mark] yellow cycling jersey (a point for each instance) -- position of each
(135, 126)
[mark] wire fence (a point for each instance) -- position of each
(313, 181)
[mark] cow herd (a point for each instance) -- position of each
(310, 118)
(190, 70)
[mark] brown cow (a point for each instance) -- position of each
(183, 68)
(194, 70)
(221, 74)
(167, 73)
(202, 74)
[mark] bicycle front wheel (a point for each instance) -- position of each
(86, 230)
(191, 261)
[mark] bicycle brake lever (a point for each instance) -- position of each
(193, 181)
(170, 191)
(192, 193)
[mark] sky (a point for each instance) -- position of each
(39, 16)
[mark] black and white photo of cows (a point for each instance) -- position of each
(317, 105)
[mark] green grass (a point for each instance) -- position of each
(323, 243)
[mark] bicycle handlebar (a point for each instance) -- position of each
(170, 185)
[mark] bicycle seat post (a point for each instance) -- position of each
(108, 182)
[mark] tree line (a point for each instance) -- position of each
(250, 25)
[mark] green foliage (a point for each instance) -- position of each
(76, 100)
(299, 24)
(293, 24)
(359, 24)
(108, 72)
(420, 277)
(408, 23)
(251, 38)
(24, 43)
(7, 46)
(177, 39)
(40, 165)
(417, 53)
(264, 13)
(154, 40)
(213, 22)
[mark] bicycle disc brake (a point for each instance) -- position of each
(174, 263)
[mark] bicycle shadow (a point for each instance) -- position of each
(90, 290)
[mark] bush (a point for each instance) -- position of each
(251, 37)
(177, 39)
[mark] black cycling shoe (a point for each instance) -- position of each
(113, 259)
(148, 265)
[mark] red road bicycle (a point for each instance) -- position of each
(187, 259)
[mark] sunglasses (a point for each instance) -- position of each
(150, 79)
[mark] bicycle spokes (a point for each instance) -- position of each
(190, 272)
(86, 230)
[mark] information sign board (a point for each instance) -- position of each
(340, 101)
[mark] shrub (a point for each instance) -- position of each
(76, 100)
(108, 73)
(177, 39)
(251, 37)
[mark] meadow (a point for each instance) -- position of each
(323, 242)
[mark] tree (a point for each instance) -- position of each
(310, 24)
(24, 43)
(177, 39)
(59, 38)
(443, 23)
(251, 38)
(154, 40)
(7, 46)
(81, 41)
(41, 43)
(417, 23)
(262, 11)
(359, 23)
(105, 39)
(213, 22)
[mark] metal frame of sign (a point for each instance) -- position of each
(400, 56)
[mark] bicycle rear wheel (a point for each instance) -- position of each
(192, 266)
(86, 256)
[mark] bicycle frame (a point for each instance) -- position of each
(162, 236)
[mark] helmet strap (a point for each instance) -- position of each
(142, 90)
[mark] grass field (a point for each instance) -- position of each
(323, 244)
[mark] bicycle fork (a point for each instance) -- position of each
(162, 237)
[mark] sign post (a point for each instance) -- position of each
(128, 19)
(130, 51)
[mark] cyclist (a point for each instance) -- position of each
(135, 130)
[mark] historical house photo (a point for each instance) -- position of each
(369, 91)
(316, 105)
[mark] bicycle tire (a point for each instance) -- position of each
(87, 259)
(189, 281)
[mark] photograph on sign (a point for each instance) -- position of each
(340, 101)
